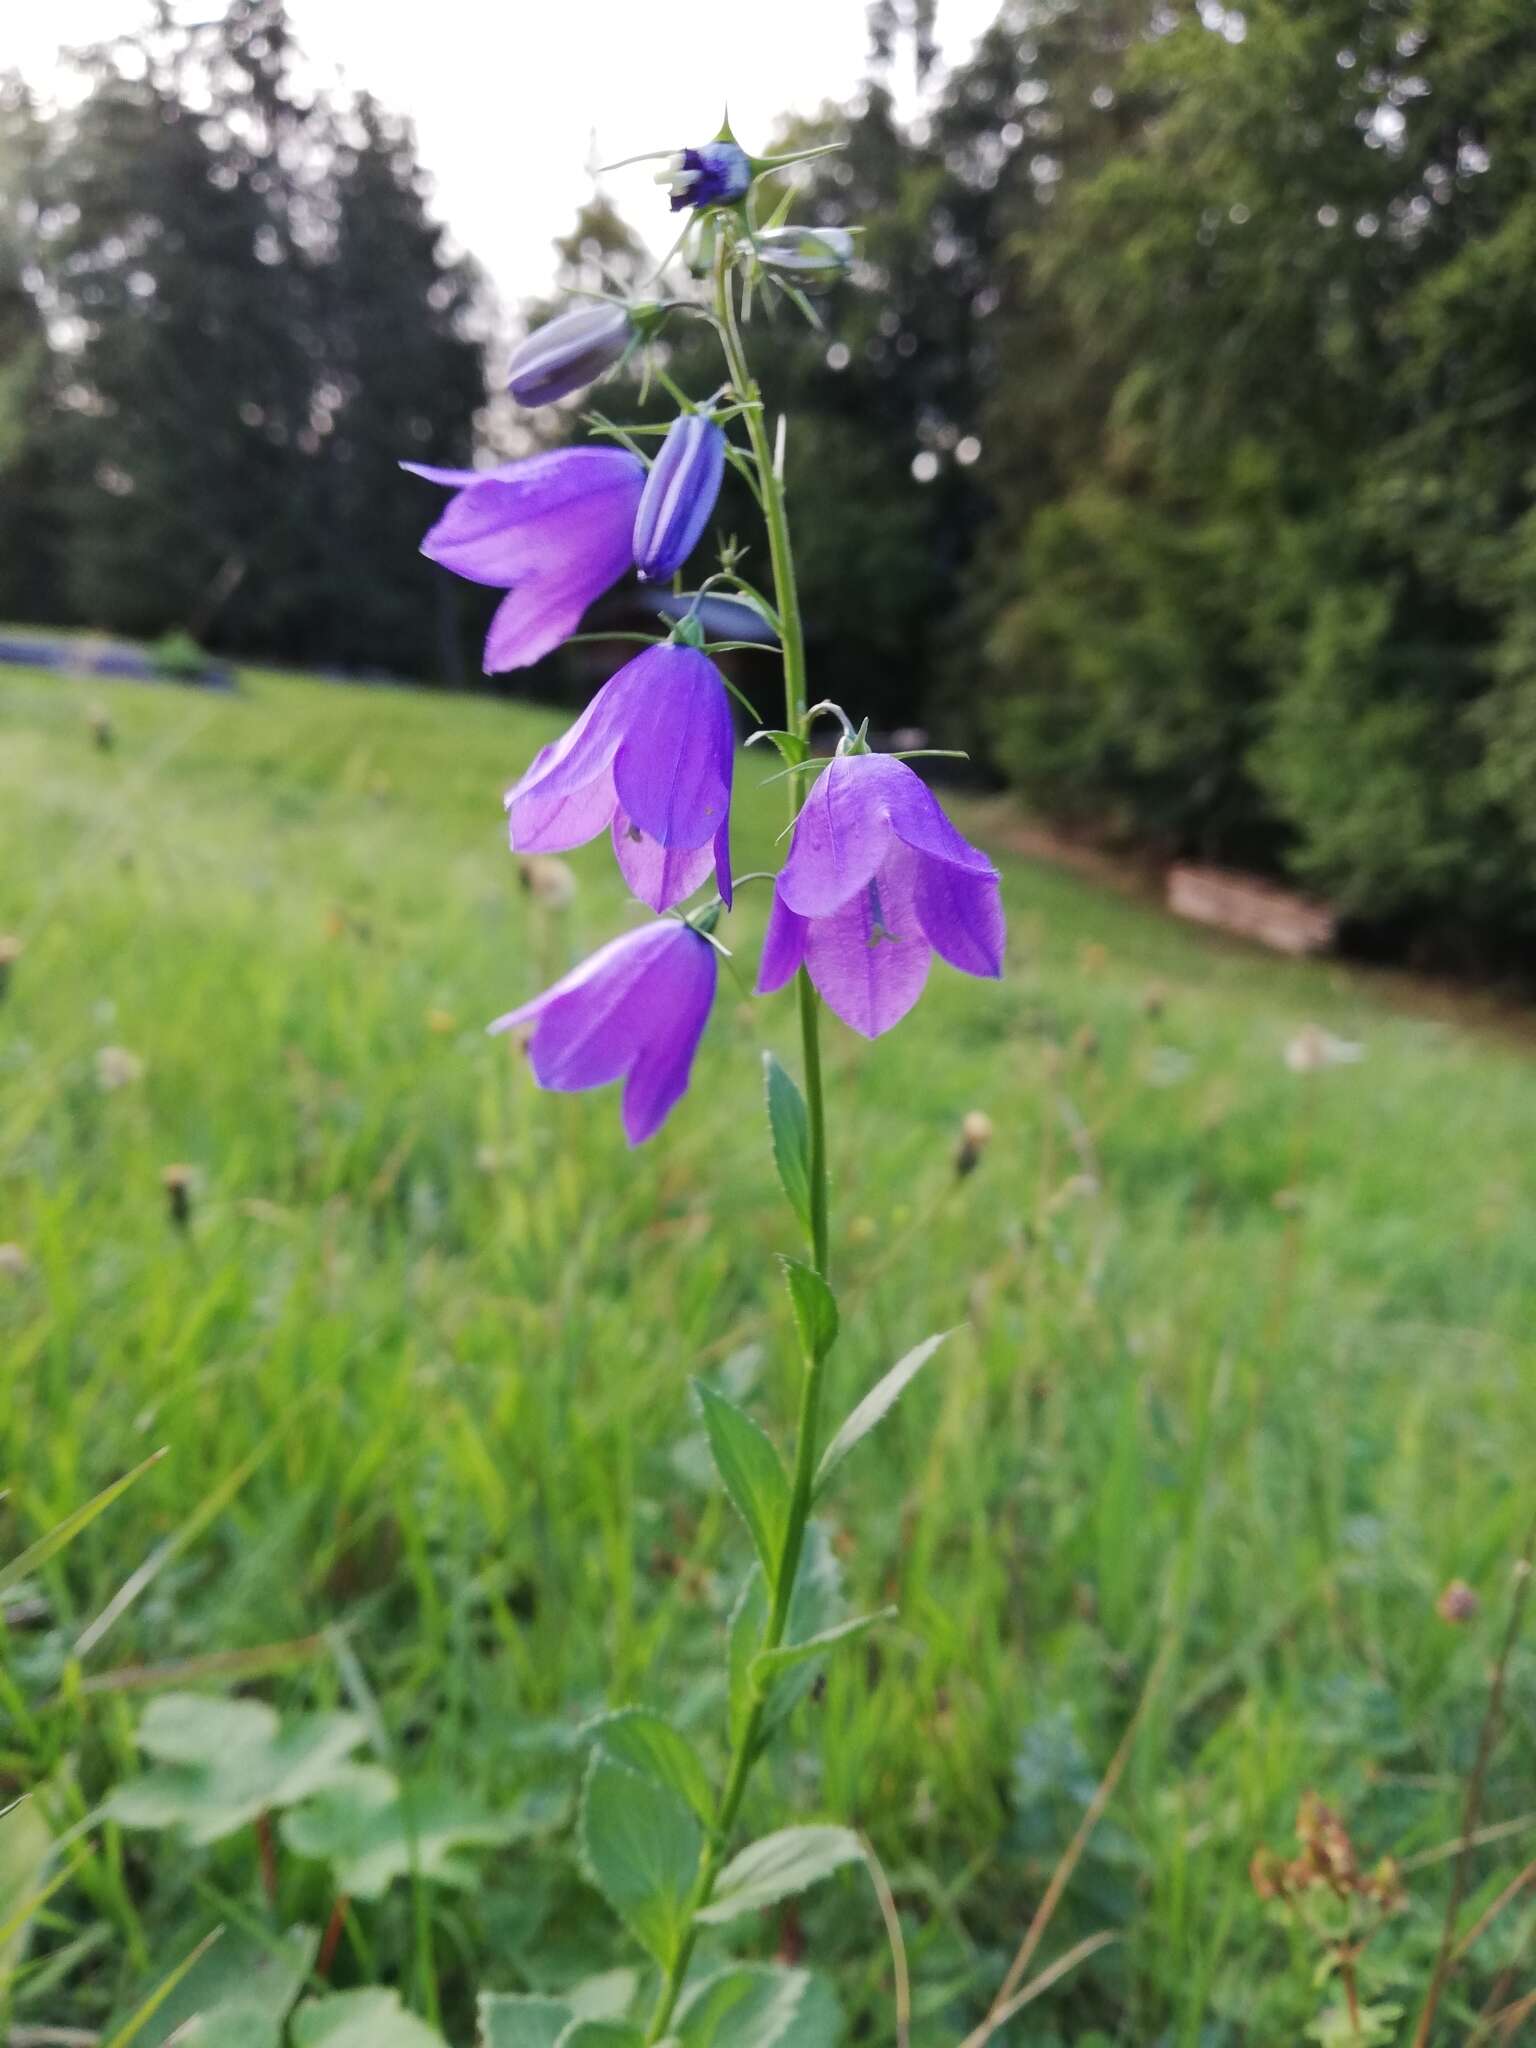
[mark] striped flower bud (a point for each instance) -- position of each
(568, 352)
(806, 255)
(679, 495)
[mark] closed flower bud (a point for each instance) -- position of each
(975, 1136)
(179, 1181)
(568, 353)
(679, 495)
(808, 255)
(1458, 1602)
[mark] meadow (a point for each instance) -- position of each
(1243, 1379)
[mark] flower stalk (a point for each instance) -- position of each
(792, 641)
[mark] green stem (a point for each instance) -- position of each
(792, 640)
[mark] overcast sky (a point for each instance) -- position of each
(510, 96)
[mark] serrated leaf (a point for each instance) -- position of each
(769, 1664)
(814, 1306)
(779, 1867)
(753, 2005)
(876, 1405)
(790, 1129)
(222, 1762)
(371, 1833)
(509, 2019)
(361, 2019)
(652, 1746)
(793, 749)
(752, 1470)
(640, 1845)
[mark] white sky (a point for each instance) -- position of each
(509, 97)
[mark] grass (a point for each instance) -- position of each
(1245, 1378)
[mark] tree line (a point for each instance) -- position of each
(1181, 465)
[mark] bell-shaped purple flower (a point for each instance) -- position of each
(877, 881)
(714, 174)
(679, 495)
(651, 759)
(635, 1011)
(568, 352)
(554, 531)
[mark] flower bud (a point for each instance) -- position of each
(808, 255)
(1458, 1602)
(679, 495)
(567, 353)
(716, 174)
(178, 1181)
(975, 1136)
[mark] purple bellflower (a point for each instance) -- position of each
(635, 1011)
(715, 174)
(651, 759)
(877, 881)
(679, 495)
(554, 531)
(568, 352)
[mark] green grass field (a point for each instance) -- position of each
(1245, 1378)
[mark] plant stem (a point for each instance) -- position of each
(792, 641)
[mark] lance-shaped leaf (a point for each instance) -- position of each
(753, 2005)
(769, 1664)
(361, 2019)
(752, 1470)
(640, 1846)
(778, 1867)
(652, 1746)
(812, 1609)
(37, 1554)
(814, 1307)
(790, 1129)
(222, 1762)
(371, 1831)
(876, 1405)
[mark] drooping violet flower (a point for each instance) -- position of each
(568, 352)
(876, 882)
(714, 174)
(679, 495)
(553, 531)
(635, 1011)
(652, 759)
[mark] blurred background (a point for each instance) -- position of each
(1171, 449)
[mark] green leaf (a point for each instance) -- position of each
(778, 1867)
(814, 1306)
(749, 1622)
(371, 1832)
(768, 1664)
(222, 1762)
(361, 2019)
(791, 1131)
(239, 1993)
(37, 1554)
(602, 2034)
(652, 1746)
(510, 2020)
(752, 2005)
(793, 750)
(26, 1843)
(751, 1468)
(876, 1405)
(640, 1846)
(813, 1609)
